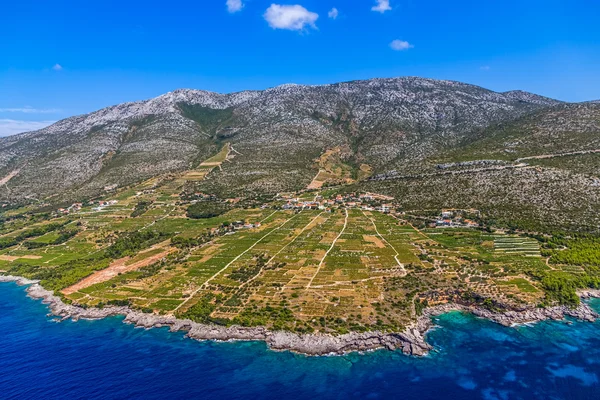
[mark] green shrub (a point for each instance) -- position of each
(205, 209)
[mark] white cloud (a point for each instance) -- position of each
(382, 6)
(485, 68)
(29, 110)
(57, 67)
(294, 18)
(400, 45)
(12, 127)
(333, 13)
(234, 5)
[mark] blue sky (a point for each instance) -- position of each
(61, 58)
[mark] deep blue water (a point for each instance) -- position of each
(476, 359)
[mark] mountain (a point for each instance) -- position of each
(277, 132)
(519, 157)
(540, 171)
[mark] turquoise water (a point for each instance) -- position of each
(475, 359)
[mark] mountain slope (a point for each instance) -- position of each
(277, 133)
(540, 171)
(561, 129)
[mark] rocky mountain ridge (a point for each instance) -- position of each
(546, 163)
(383, 121)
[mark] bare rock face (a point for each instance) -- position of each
(589, 293)
(411, 341)
(67, 311)
(211, 332)
(583, 312)
(17, 279)
(510, 318)
(315, 344)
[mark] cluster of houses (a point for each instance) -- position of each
(364, 201)
(237, 225)
(72, 208)
(78, 206)
(230, 229)
(453, 218)
(145, 191)
(102, 204)
(199, 196)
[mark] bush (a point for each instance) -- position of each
(131, 243)
(205, 209)
(141, 208)
(561, 289)
(64, 236)
(34, 232)
(200, 312)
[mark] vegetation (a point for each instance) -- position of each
(208, 118)
(205, 209)
(279, 318)
(190, 251)
(66, 275)
(130, 243)
(6, 242)
(141, 208)
(63, 236)
(201, 311)
(583, 250)
(561, 288)
(186, 243)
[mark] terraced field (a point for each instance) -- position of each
(306, 258)
(331, 270)
(517, 245)
(348, 269)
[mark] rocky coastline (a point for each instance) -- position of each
(411, 341)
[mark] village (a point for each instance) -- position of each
(447, 218)
(97, 206)
(364, 201)
(455, 219)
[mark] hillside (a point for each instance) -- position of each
(522, 158)
(557, 130)
(540, 171)
(338, 209)
(278, 132)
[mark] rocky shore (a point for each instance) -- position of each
(589, 293)
(411, 341)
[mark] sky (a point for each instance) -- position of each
(68, 57)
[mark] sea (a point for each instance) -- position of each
(41, 358)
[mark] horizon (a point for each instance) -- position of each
(71, 59)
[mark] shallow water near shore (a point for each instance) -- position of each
(474, 359)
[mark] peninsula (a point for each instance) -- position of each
(310, 225)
